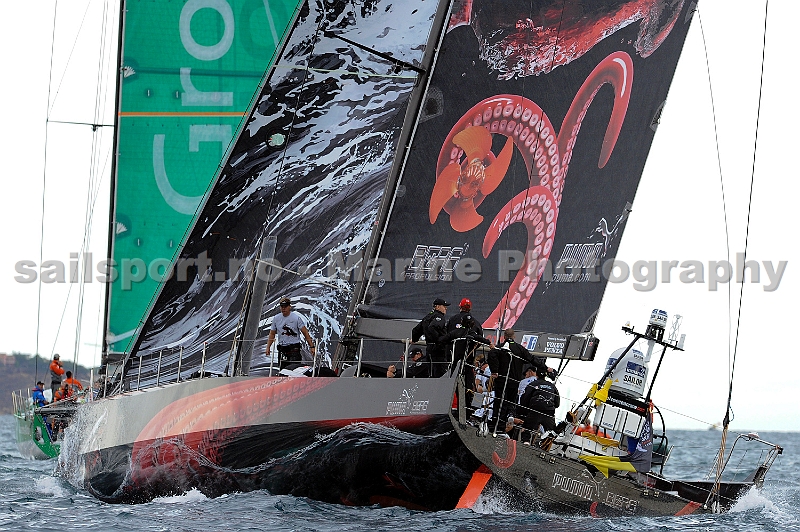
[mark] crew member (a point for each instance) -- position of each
(65, 392)
(418, 365)
(463, 341)
(434, 327)
(455, 322)
(482, 391)
(56, 371)
(539, 402)
(38, 394)
(506, 364)
(528, 376)
(289, 325)
(74, 384)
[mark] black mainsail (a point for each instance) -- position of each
(516, 194)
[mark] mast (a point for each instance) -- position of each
(401, 153)
(113, 187)
(244, 353)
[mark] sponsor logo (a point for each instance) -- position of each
(634, 374)
(529, 341)
(407, 405)
(621, 503)
(579, 488)
(434, 263)
(555, 345)
(579, 262)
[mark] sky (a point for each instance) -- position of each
(678, 213)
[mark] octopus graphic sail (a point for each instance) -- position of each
(529, 168)
(396, 152)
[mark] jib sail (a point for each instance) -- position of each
(188, 73)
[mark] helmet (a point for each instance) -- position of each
(466, 304)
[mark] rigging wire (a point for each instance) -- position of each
(44, 190)
(94, 180)
(69, 291)
(721, 183)
(749, 202)
(51, 105)
(92, 191)
(714, 496)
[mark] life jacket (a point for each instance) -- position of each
(580, 429)
(63, 393)
(56, 372)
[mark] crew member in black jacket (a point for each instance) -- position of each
(434, 327)
(539, 402)
(418, 365)
(463, 341)
(506, 363)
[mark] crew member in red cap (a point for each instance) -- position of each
(455, 322)
(434, 327)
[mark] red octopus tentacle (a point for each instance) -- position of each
(511, 454)
(616, 69)
(536, 208)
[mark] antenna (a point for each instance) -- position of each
(677, 319)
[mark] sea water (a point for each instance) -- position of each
(32, 498)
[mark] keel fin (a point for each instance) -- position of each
(479, 480)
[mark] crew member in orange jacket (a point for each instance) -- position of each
(74, 384)
(56, 371)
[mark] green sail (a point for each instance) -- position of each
(189, 71)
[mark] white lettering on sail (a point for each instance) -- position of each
(193, 97)
(179, 202)
(199, 51)
(434, 263)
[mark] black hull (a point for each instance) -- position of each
(425, 469)
(282, 435)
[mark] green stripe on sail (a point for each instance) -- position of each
(190, 70)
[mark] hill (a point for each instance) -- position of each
(18, 372)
